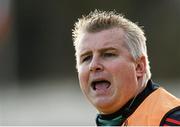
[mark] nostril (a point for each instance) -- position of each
(97, 67)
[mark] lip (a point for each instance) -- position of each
(96, 81)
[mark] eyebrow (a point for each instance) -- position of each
(107, 49)
(85, 53)
(100, 50)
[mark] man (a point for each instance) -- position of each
(114, 73)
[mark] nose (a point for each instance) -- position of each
(95, 65)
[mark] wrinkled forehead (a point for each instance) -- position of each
(109, 37)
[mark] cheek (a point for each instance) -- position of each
(126, 79)
(123, 74)
(83, 77)
(122, 68)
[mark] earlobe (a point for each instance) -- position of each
(140, 66)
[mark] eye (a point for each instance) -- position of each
(86, 58)
(108, 54)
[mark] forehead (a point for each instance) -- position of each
(113, 37)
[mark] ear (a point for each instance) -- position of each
(141, 66)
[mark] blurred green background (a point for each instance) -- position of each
(38, 79)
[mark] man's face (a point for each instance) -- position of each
(106, 69)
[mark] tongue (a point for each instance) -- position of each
(102, 86)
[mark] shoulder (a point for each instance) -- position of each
(171, 118)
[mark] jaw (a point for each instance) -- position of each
(103, 102)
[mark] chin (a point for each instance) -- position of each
(103, 106)
(105, 110)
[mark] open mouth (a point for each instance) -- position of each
(100, 85)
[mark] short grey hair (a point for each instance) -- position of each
(102, 20)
